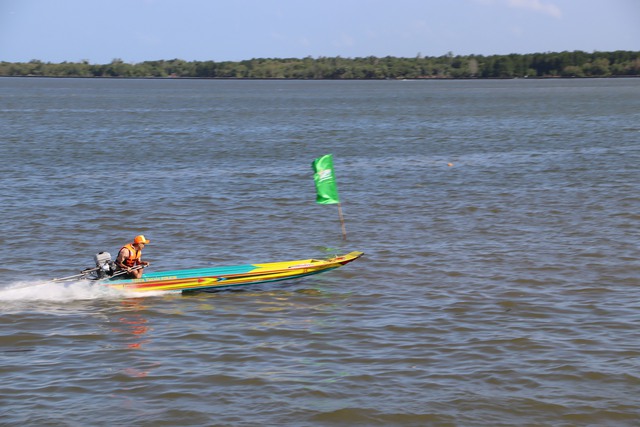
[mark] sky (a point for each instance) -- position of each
(100, 31)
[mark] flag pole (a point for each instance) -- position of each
(344, 230)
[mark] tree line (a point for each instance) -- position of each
(536, 65)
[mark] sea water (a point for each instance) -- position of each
(499, 221)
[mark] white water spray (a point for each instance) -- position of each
(61, 292)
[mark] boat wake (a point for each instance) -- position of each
(60, 292)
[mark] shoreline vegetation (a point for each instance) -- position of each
(536, 65)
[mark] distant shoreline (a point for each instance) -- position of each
(326, 79)
(576, 64)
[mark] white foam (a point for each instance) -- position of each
(61, 292)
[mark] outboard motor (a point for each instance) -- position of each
(104, 266)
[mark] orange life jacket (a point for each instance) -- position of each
(134, 256)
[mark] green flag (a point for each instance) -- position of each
(325, 179)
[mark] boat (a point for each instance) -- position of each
(212, 278)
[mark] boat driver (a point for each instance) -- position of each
(129, 258)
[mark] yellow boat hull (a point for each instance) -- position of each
(207, 279)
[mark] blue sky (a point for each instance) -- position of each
(138, 30)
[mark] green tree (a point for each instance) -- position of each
(600, 67)
(572, 71)
(564, 64)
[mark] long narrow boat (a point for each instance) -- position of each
(207, 279)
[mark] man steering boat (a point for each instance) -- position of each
(129, 258)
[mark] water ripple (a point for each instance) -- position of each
(498, 218)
